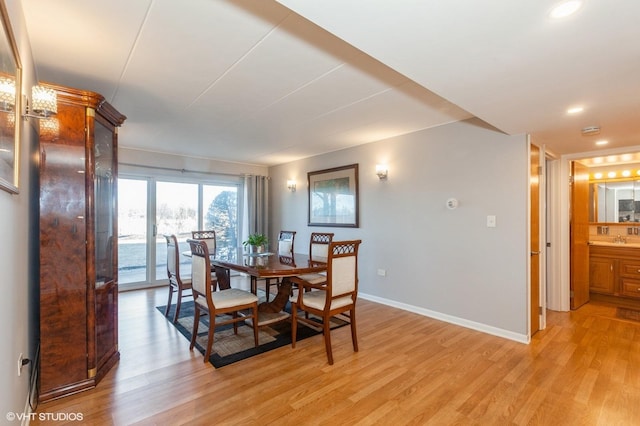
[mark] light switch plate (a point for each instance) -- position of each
(491, 221)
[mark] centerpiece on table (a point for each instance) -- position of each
(256, 243)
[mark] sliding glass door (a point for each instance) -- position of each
(148, 208)
(176, 213)
(220, 213)
(132, 230)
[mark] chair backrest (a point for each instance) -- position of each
(208, 237)
(173, 262)
(200, 269)
(285, 242)
(319, 245)
(342, 269)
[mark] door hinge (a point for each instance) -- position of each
(571, 293)
(570, 179)
(539, 170)
(539, 310)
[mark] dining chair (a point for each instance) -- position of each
(238, 304)
(286, 240)
(209, 237)
(177, 284)
(336, 295)
(318, 252)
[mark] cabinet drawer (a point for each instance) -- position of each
(630, 268)
(630, 287)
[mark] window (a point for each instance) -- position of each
(149, 208)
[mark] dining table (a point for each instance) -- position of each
(268, 265)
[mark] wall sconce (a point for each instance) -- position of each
(7, 94)
(44, 103)
(381, 171)
(50, 129)
(291, 185)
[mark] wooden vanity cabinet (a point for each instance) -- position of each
(602, 274)
(630, 277)
(78, 243)
(615, 271)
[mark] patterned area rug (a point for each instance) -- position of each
(228, 347)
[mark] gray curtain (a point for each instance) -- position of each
(256, 217)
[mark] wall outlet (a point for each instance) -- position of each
(382, 272)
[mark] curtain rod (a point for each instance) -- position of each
(190, 171)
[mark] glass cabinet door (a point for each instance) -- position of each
(104, 204)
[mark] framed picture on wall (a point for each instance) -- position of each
(333, 197)
(9, 106)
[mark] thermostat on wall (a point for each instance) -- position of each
(452, 203)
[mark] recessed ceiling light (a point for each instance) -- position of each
(575, 110)
(565, 9)
(602, 142)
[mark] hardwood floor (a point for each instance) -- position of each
(584, 369)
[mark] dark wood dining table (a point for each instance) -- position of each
(268, 265)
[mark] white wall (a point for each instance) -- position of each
(439, 262)
(18, 303)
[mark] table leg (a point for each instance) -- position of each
(278, 304)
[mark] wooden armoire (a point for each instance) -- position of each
(78, 243)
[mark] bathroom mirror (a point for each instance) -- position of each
(9, 106)
(615, 201)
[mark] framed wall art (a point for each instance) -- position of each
(333, 197)
(10, 119)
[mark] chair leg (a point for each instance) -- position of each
(294, 323)
(196, 321)
(166, 311)
(178, 303)
(212, 327)
(327, 338)
(255, 323)
(354, 337)
(234, 314)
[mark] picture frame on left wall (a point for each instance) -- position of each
(10, 119)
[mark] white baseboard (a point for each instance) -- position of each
(521, 338)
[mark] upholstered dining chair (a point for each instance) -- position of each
(177, 283)
(318, 252)
(213, 303)
(208, 237)
(286, 240)
(336, 295)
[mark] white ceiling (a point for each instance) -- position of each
(251, 81)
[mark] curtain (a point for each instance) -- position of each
(256, 203)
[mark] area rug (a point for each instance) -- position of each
(229, 347)
(628, 314)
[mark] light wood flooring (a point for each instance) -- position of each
(584, 369)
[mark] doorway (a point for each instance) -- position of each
(559, 231)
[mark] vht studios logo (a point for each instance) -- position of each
(52, 417)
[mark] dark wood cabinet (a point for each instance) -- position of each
(78, 243)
